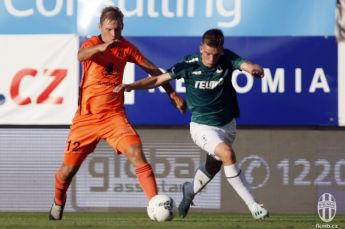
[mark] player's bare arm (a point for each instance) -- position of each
(87, 53)
(253, 69)
(153, 70)
(146, 83)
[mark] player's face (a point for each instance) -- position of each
(210, 55)
(110, 30)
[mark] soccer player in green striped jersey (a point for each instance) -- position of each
(212, 100)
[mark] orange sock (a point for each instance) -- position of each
(61, 187)
(147, 180)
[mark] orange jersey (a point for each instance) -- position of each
(101, 73)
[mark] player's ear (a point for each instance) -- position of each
(200, 48)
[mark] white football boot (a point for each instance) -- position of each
(56, 212)
(258, 212)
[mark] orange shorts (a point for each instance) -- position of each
(87, 130)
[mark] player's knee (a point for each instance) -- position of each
(232, 156)
(228, 157)
(225, 153)
(134, 153)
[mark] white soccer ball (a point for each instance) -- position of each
(161, 208)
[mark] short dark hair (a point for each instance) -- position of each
(112, 13)
(213, 38)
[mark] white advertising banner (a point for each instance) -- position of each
(105, 181)
(39, 79)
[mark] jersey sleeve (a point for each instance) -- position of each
(87, 43)
(233, 58)
(177, 71)
(93, 41)
(135, 56)
(181, 69)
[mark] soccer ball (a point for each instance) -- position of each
(161, 208)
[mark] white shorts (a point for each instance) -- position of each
(209, 137)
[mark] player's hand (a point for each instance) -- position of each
(257, 71)
(122, 87)
(178, 102)
(110, 44)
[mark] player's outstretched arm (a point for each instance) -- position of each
(146, 83)
(154, 71)
(253, 69)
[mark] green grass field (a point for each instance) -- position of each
(140, 220)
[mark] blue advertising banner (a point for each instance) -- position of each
(172, 17)
(234, 17)
(38, 17)
(292, 39)
(299, 88)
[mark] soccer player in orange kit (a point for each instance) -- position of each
(100, 113)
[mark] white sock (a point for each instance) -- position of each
(200, 181)
(238, 182)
